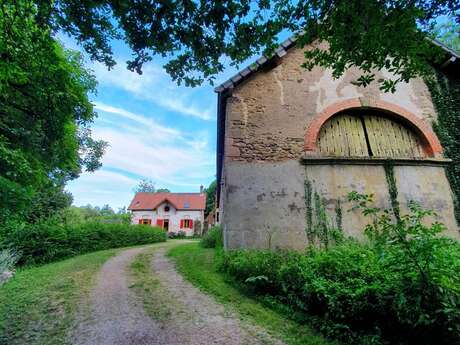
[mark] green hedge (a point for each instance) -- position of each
(213, 238)
(49, 240)
(445, 93)
(353, 294)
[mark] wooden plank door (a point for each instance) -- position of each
(344, 136)
(388, 138)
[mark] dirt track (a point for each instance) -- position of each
(114, 315)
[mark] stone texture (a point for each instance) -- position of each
(429, 187)
(269, 114)
(267, 118)
(264, 201)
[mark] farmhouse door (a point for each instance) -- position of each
(344, 136)
(368, 135)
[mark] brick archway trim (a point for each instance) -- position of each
(431, 143)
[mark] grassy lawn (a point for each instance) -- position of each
(197, 265)
(38, 305)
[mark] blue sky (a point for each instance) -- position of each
(155, 130)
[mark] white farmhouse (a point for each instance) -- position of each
(173, 212)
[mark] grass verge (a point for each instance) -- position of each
(197, 265)
(156, 301)
(38, 305)
(148, 288)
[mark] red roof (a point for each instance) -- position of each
(180, 201)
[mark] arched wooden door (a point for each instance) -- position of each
(368, 135)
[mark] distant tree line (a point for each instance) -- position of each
(88, 213)
(148, 186)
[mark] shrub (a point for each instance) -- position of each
(178, 235)
(213, 238)
(48, 240)
(401, 287)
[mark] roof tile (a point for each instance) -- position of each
(150, 201)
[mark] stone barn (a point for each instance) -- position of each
(283, 129)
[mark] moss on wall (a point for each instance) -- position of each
(392, 189)
(445, 93)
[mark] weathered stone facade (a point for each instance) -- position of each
(272, 121)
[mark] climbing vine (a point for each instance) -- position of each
(309, 231)
(445, 93)
(338, 215)
(319, 228)
(392, 189)
(321, 224)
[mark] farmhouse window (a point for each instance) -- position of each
(186, 223)
(166, 208)
(368, 134)
(145, 221)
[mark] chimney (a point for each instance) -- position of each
(201, 189)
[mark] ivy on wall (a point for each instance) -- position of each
(445, 93)
(319, 227)
(338, 215)
(392, 189)
(309, 230)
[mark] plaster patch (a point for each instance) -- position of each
(333, 90)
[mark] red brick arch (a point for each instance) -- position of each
(431, 143)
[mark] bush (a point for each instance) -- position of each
(352, 293)
(402, 287)
(177, 235)
(213, 238)
(49, 240)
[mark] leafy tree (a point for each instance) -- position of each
(448, 32)
(47, 200)
(197, 36)
(88, 213)
(211, 197)
(122, 210)
(45, 115)
(163, 190)
(145, 186)
(106, 210)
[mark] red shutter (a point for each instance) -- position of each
(140, 221)
(181, 223)
(191, 224)
(160, 223)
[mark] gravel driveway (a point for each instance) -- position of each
(113, 315)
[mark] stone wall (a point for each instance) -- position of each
(268, 115)
(262, 200)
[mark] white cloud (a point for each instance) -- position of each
(143, 155)
(152, 125)
(101, 176)
(102, 187)
(156, 86)
(172, 159)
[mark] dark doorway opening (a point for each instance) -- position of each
(166, 224)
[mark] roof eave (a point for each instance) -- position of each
(245, 73)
